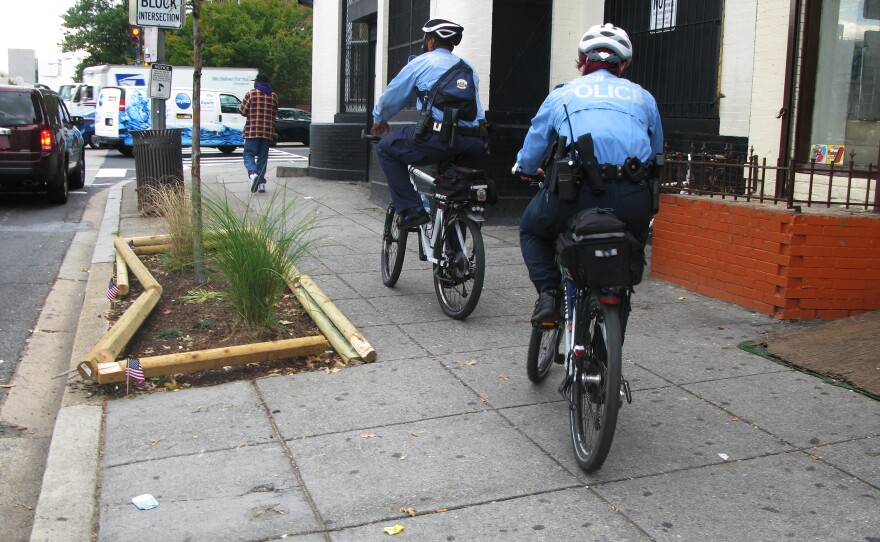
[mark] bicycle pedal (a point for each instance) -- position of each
(545, 325)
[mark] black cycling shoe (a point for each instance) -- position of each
(413, 218)
(546, 307)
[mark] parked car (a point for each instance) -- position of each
(88, 127)
(292, 125)
(41, 147)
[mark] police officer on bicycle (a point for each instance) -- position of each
(623, 124)
(426, 142)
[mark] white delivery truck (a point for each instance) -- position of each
(122, 110)
(80, 97)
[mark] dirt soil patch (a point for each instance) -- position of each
(191, 317)
(843, 350)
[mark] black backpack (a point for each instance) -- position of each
(454, 89)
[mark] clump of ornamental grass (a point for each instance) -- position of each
(173, 203)
(255, 249)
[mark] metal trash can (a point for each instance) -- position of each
(158, 160)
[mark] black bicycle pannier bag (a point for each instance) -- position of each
(596, 251)
(459, 183)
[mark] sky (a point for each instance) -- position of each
(36, 26)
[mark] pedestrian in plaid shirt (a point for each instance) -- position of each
(260, 106)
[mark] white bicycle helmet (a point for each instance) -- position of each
(606, 36)
(445, 30)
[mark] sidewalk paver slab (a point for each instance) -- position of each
(781, 497)
(440, 463)
(571, 515)
(663, 430)
(189, 421)
(798, 408)
(370, 395)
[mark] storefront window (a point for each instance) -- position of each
(846, 106)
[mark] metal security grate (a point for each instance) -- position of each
(356, 63)
(676, 53)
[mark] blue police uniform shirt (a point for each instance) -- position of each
(621, 116)
(421, 73)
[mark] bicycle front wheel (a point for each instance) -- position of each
(458, 279)
(543, 351)
(393, 248)
(596, 388)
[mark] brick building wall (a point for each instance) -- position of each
(778, 262)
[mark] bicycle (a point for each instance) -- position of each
(451, 241)
(586, 338)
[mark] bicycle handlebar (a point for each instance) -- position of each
(535, 179)
(369, 137)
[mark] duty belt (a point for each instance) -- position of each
(613, 172)
(460, 130)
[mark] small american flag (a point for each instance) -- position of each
(133, 370)
(112, 290)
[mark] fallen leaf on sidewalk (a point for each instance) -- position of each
(368, 435)
(409, 510)
(469, 363)
(503, 376)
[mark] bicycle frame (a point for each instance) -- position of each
(432, 233)
(572, 297)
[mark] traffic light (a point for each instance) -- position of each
(134, 37)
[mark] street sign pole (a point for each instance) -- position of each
(158, 104)
(166, 14)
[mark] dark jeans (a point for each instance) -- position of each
(398, 149)
(545, 218)
(256, 156)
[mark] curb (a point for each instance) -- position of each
(66, 509)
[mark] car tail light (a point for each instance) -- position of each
(122, 102)
(46, 140)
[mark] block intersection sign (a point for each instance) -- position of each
(160, 13)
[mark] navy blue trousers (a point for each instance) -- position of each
(545, 218)
(398, 149)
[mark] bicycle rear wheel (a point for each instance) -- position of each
(543, 351)
(459, 283)
(596, 388)
(393, 248)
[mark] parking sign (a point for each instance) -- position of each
(160, 81)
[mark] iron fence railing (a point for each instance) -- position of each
(737, 176)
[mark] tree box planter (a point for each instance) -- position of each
(101, 365)
(815, 264)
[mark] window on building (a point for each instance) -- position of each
(355, 62)
(840, 117)
(405, 20)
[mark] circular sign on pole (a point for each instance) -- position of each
(160, 81)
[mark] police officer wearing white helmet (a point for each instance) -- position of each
(405, 146)
(623, 121)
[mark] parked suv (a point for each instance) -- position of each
(41, 148)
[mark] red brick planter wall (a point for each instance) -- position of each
(816, 264)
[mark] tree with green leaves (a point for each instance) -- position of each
(274, 36)
(100, 28)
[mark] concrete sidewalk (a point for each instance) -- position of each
(718, 444)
